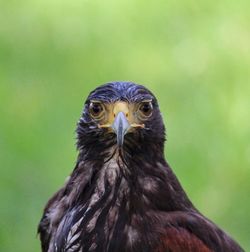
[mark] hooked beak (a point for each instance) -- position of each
(120, 127)
(121, 121)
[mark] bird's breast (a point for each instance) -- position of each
(101, 218)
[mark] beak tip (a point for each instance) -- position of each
(120, 127)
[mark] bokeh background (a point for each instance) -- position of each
(195, 57)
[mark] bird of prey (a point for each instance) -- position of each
(122, 195)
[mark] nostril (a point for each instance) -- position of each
(126, 114)
(114, 115)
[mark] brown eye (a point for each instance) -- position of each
(96, 109)
(146, 108)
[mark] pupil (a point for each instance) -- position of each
(96, 109)
(146, 108)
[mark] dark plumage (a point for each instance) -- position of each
(122, 194)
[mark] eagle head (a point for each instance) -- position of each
(123, 115)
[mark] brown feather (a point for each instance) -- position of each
(179, 240)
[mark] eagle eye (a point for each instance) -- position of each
(146, 108)
(96, 109)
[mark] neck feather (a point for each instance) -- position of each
(106, 196)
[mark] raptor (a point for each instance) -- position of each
(122, 195)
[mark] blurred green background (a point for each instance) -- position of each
(195, 57)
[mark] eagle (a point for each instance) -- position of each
(122, 194)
